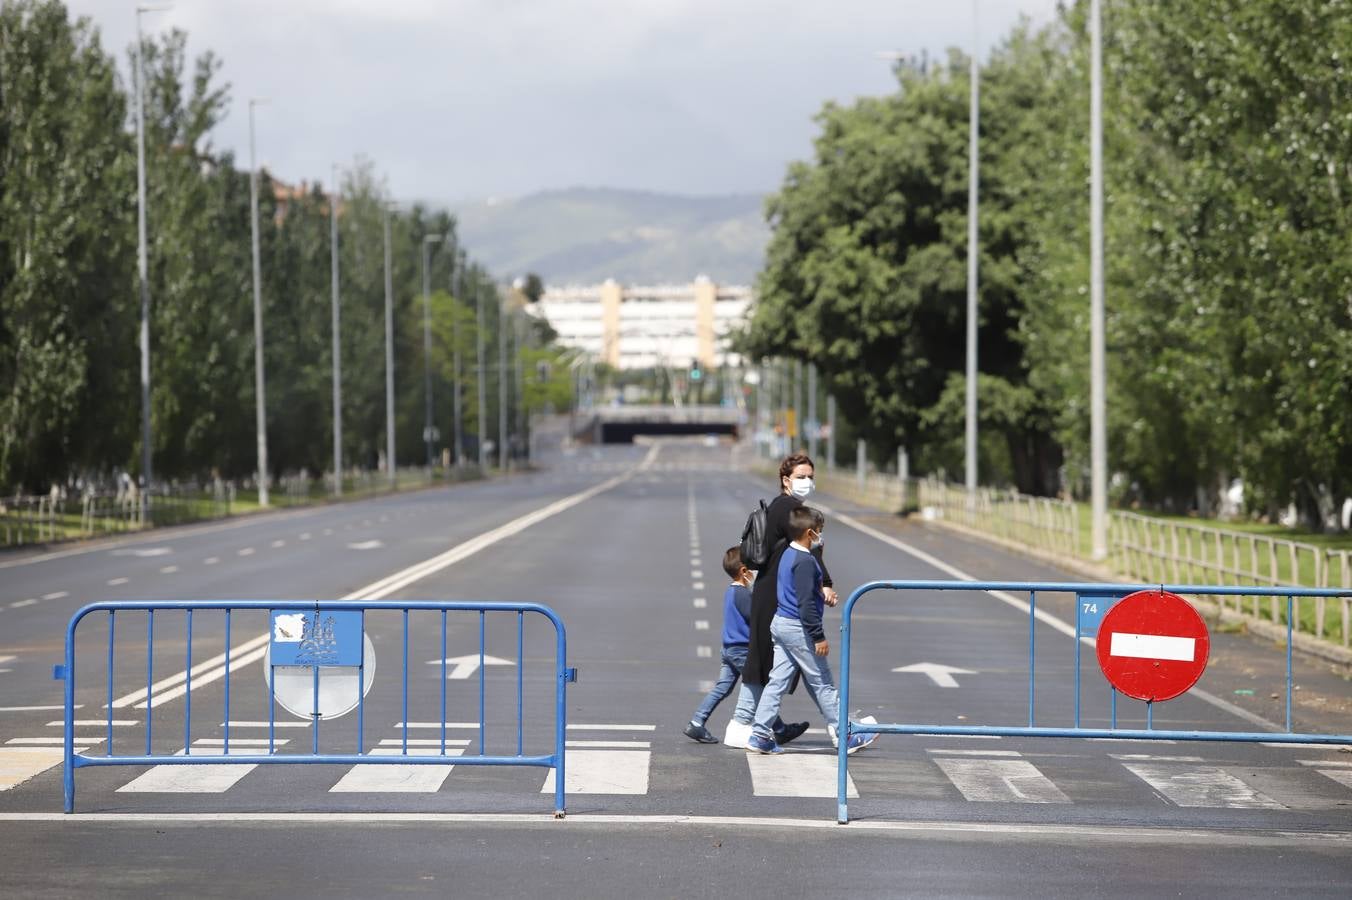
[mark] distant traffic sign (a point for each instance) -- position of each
(1153, 645)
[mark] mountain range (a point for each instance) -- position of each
(586, 235)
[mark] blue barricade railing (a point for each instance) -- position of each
(66, 672)
(1099, 591)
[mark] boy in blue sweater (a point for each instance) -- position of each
(736, 637)
(799, 636)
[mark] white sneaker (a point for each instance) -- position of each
(737, 734)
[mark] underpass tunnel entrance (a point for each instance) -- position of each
(625, 432)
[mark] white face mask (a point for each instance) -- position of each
(800, 487)
(818, 543)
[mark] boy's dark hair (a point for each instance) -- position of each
(732, 561)
(804, 519)
(792, 462)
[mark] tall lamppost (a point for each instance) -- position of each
(335, 196)
(389, 352)
(481, 388)
(260, 399)
(1098, 431)
(142, 264)
(973, 173)
(458, 295)
(428, 241)
(502, 386)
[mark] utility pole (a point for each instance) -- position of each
(483, 372)
(428, 436)
(1098, 431)
(389, 355)
(334, 197)
(458, 297)
(973, 174)
(814, 429)
(502, 386)
(142, 264)
(260, 399)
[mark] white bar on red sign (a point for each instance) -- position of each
(1153, 646)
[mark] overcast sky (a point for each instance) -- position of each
(458, 99)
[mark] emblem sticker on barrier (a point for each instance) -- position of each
(323, 637)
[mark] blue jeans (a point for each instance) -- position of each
(794, 652)
(734, 660)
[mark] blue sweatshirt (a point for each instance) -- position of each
(800, 591)
(736, 616)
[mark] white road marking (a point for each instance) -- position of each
(612, 745)
(168, 570)
(611, 727)
(56, 595)
(1041, 615)
(700, 603)
(11, 658)
(472, 726)
(245, 551)
(97, 723)
(278, 543)
(211, 560)
(305, 535)
(374, 778)
(954, 751)
(1335, 763)
(242, 655)
(207, 778)
(1134, 740)
(604, 772)
(460, 668)
(328, 531)
(1198, 836)
(18, 764)
(704, 651)
(1152, 646)
(36, 708)
(144, 552)
(1342, 776)
(1000, 781)
(1346, 748)
(696, 573)
(795, 775)
(701, 624)
(114, 582)
(423, 742)
(20, 604)
(160, 698)
(48, 741)
(697, 586)
(366, 545)
(1201, 786)
(940, 674)
(1123, 757)
(280, 723)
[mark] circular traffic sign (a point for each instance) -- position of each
(1152, 645)
(339, 691)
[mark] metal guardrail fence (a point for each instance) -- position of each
(66, 673)
(1032, 729)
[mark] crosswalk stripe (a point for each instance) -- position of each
(1342, 776)
(1201, 786)
(795, 775)
(396, 779)
(604, 772)
(1000, 780)
(207, 778)
(18, 764)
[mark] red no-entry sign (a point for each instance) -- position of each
(1153, 645)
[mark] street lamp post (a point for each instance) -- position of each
(973, 173)
(142, 263)
(428, 241)
(502, 387)
(458, 295)
(334, 197)
(481, 388)
(389, 354)
(1098, 434)
(260, 398)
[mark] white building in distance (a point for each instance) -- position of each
(646, 326)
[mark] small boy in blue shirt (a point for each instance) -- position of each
(736, 638)
(799, 636)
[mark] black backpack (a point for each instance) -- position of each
(756, 549)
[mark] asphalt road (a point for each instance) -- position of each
(630, 561)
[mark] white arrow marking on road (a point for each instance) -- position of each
(366, 545)
(940, 674)
(462, 667)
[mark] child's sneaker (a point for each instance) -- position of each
(758, 744)
(699, 733)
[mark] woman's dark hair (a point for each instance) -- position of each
(792, 462)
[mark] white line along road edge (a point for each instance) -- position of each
(1042, 615)
(251, 651)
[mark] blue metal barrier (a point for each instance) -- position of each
(562, 676)
(1032, 729)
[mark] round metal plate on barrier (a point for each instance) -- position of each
(1152, 645)
(294, 687)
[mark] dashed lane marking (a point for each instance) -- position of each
(20, 604)
(245, 551)
(700, 603)
(211, 560)
(56, 595)
(278, 543)
(704, 651)
(701, 624)
(168, 570)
